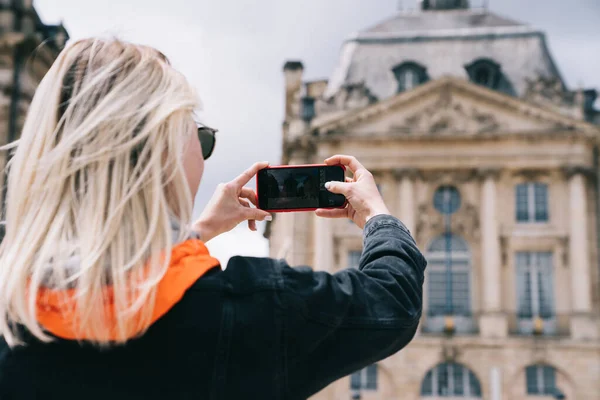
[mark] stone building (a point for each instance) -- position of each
(492, 162)
(28, 47)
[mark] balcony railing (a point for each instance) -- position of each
(519, 324)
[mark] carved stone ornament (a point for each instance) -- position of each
(438, 178)
(447, 116)
(352, 96)
(450, 353)
(430, 222)
(570, 171)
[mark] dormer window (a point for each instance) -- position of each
(484, 72)
(409, 75)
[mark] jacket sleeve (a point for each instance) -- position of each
(337, 324)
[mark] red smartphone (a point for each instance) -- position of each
(289, 188)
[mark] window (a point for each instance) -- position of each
(484, 72)
(446, 199)
(531, 202)
(365, 379)
(534, 285)
(354, 259)
(448, 255)
(450, 380)
(540, 380)
(409, 75)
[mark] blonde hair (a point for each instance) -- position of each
(97, 180)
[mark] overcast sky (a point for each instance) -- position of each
(233, 51)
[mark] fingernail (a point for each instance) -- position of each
(269, 218)
(328, 185)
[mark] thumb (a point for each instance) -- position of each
(258, 215)
(338, 187)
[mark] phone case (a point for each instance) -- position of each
(300, 166)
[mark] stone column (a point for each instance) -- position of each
(492, 322)
(323, 244)
(406, 197)
(582, 325)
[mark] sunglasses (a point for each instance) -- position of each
(207, 139)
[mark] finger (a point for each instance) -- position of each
(350, 180)
(335, 213)
(349, 161)
(244, 203)
(257, 214)
(251, 222)
(245, 177)
(249, 194)
(339, 187)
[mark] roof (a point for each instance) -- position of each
(443, 42)
(436, 20)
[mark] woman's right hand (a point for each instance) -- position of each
(364, 199)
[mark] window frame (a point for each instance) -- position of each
(532, 202)
(420, 75)
(467, 377)
(436, 264)
(541, 389)
(351, 256)
(493, 68)
(364, 381)
(538, 264)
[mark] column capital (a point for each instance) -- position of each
(570, 171)
(485, 173)
(410, 173)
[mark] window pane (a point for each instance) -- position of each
(457, 372)
(460, 293)
(531, 380)
(442, 380)
(427, 385)
(354, 259)
(546, 289)
(474, 386)
(522, 203)
(355, 381)
(437, 293)
(524, 302)
(541, 202)
(372, 377)
(457, 244)
(549, 374)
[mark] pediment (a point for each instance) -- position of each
(451, 106)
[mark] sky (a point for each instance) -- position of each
(233, 52)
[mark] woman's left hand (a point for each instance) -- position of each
(230, 205)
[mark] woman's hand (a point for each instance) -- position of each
(230, 205)
(364, 200)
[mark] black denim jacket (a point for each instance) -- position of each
(257, 330)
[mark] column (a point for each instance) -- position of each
(323, 244)
(582, 325)
(406, 195)
(492, 322)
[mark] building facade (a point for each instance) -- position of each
(479, 147)
(28, 47)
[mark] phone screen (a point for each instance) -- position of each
(289, 188)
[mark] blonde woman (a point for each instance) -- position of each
(107, 290)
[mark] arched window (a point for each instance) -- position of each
(365, 379)
(451, 380)
(541, 380)
(409, 75)
(445, 251)
(484, 72)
